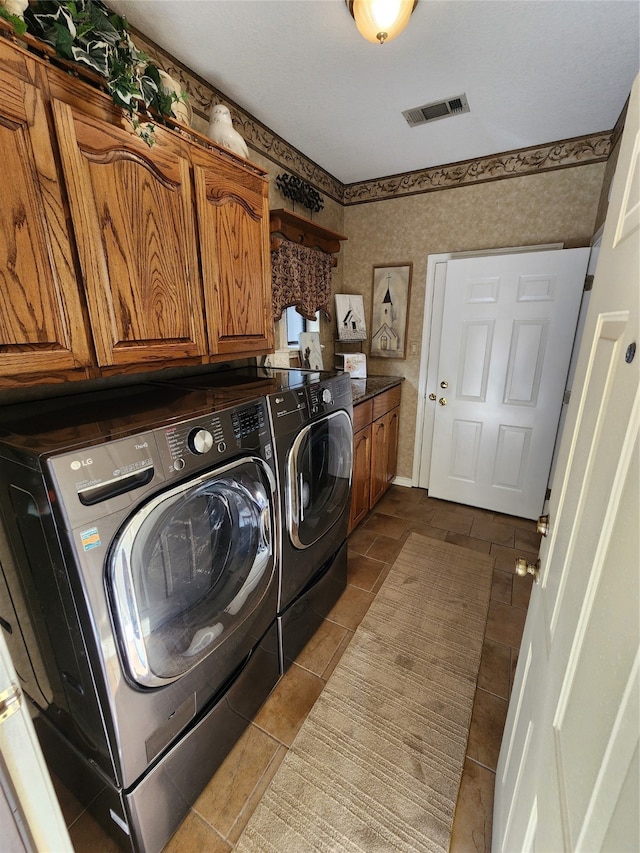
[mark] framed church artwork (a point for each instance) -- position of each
(390, 310)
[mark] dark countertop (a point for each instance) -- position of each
(364, 389)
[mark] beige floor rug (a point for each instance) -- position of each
(377, 764)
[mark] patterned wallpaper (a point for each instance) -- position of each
(558, 206)
(545, 194)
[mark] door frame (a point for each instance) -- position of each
(430, 347)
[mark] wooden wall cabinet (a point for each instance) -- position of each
(161, 257)
(375, 440)
(233, 219)
(43, 333)
(131, 208)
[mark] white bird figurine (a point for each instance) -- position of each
(221, 130)
(15, 7)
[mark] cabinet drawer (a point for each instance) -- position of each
(386, 401)
(362, 415)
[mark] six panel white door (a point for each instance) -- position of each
(507, 333)
(569, 768)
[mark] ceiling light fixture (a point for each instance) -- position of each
(381, 20)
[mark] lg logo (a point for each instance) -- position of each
(77, 464)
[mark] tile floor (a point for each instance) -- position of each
(218, 817)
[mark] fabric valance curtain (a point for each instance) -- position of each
(301, 277)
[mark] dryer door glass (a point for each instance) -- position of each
(318, 487)
(190, 567)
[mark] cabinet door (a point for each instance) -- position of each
(379, 443)
(360, 480)
(233, 219)
(131, 206)
(42, 328)
(393, 424)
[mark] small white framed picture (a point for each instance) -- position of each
(350, 317)
(310, 351)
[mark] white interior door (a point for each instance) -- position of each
(30, 815)
(507, 332)
(568, 773)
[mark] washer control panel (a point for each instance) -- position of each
(214, 436)
(200, 441)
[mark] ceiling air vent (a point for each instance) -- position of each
(437, 109)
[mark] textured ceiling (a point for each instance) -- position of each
(534, 71)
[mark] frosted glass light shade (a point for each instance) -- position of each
(381, 20)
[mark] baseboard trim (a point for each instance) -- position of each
(407, 482)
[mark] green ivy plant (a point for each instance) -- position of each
(87, 32)
(16, 21)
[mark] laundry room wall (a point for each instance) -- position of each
(541, 206)
(557, 206)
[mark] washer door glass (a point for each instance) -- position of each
(319, 478)
(190, 567)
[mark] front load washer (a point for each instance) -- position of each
(311, 414)
(139, 587)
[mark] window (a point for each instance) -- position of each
(296, 323)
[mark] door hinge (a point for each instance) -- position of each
(10, 700)
(588, 283)
(566, 398)
(547, 495)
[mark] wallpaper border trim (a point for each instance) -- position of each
(578, 151)
(202, 96)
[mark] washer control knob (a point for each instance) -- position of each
(200, 441)
(327, 396)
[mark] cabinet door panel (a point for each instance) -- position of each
(379, 445)
(42, 329)
(360, 481)
(132, 213)
(236, 263)
(393, 426)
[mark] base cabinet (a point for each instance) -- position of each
(361, 480)
(375, 453)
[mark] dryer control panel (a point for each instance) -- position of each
(289, 409)
(292, 408)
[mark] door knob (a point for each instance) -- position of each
(432, 396)
(523, 568)
(443, 401)
(444, 384)
(543, 525)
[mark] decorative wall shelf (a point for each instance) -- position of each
(298, 229)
